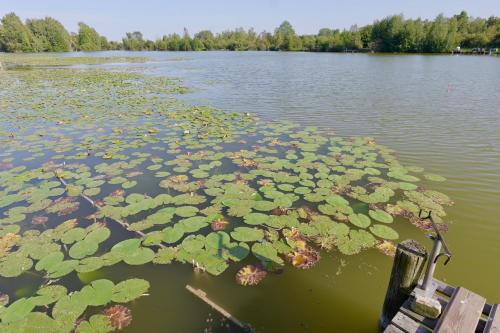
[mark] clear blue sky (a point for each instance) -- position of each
(155, 18)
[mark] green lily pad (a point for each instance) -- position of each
(129, 290)
(98, 293)
(380, 215)
(186, 211)
(217, 240)
(434, 177)
(245, 234)
(83, 248)
(18, 310)
(256, 218)
(384, 231)
(360, 220)
(98, 323)
(49, 261)
(139, 256)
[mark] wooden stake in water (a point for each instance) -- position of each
(407, 268)
(203, 296)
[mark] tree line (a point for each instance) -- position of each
(390, 34)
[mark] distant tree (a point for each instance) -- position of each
(442, 35)
(206, 38)
(285, 38)
(308, 43)
(411, 37)
(366, 35)
(88, 38)
(133, 41)
(104, 43)
(174, 42)
(15, 36)
(387, 33)
(185, 42)
(50, 35)
(390, 34)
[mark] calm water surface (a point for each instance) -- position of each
(439, 112)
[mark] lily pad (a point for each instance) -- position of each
(129, 290)
(360, 220)
(256, 218)
(245, 234)
(384, 231)
(380, 215)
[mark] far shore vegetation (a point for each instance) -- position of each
(390, 34)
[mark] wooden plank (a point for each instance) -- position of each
(407, 324)
(203, 296)
(493, 323)
(393, 329)
(444, 288)
(462, 313)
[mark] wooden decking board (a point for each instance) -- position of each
(407, 324)
(405, 308)
(462, 313)
(444, 288)
(493, 323)
(393, 329)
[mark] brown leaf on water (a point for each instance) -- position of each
(304, 259)
(37, 220)
(119, 316)
(386, 247)
(7, 242)
(219, 224)
(250, 275)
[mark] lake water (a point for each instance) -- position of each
(438, 112)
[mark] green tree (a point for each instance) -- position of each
(206, 38)
(442, 35)
(15, 36)
(50, 35)
(411, 37)
(133, 41)
(185, 42)
(174, 42)
(88, 38)
(285, 38)
(387, 33)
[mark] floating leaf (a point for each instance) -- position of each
(256, 218)
(360, 220)
(18, 310)
(139, 256)
(83, 248)
(129, 290)
(119, 316)
(245, 234)
(384, 231)
(380, 216)
(250, 275)
(98, 293)
(96, 324)
(434, 177)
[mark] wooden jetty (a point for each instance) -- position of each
(463, 311)
(415, 305)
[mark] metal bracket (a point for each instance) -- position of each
(436, 253)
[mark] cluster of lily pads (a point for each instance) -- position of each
(100, 166)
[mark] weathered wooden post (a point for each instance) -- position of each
(407, 268)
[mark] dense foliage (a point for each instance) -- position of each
(391, 34)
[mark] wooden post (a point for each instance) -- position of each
(407, 268)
